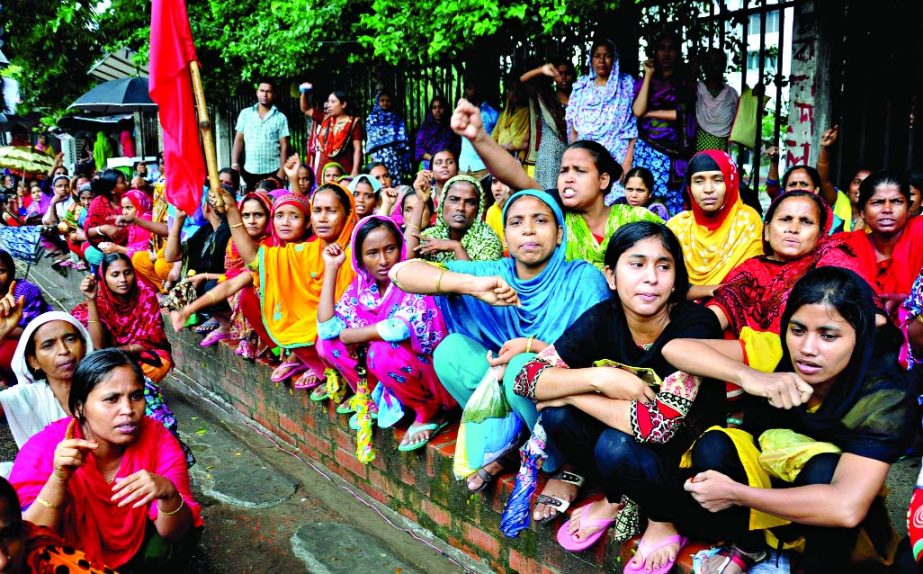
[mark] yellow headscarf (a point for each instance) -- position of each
(713, 246)
(291, 278)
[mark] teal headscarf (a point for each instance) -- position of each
(549, 302)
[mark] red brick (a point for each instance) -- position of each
(407, 475)
(439, 515)
(348, 460)
(522, 565)
(291, 427)
(407, 513)
(344, 440)
(481, 540)
(323, 447)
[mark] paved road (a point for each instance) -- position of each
(267, 511)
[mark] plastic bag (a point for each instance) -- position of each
(489, 428)
(785, 452)
(744, 130)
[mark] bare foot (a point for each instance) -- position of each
(654, 535)
(599, 510)
(556, 489)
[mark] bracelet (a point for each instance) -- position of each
(182, 503)
(439, 281)
(529, 344)
(214, 300)
(236, 225)
(920, 318)
(92, 321)
(47, 504)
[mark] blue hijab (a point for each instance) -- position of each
(549, 302)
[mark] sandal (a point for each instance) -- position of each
(416, 428)
(354, 420)
(743, 560)
(320, 394)
(207, 327)
(485, 476)
(560, 505)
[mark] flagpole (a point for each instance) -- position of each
(208, 140)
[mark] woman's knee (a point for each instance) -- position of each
(818, 470)
(614, 450)
(712, 451)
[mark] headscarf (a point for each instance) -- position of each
(19, 363)
(91, 520)
(603, 113)
(376, 185)
(435, 136)
(290, 280)
(363, 304)
(583, 245)
(102, 151)
(135, 321)
(384, 129)
(869, 409)
(713, 246)
(479, 241)
(320, 179)
(299, 202)
(897, 273)
(233, 262)
(333, 139)
(29, 408)
(548, 302)
(715, 114)
(34, 302)
(139, 238)
(754, 293)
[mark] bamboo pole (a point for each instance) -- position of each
(208, 140)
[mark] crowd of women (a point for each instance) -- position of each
(721, 376)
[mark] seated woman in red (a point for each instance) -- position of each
(116, 485)
(122, 312)
(889, 247)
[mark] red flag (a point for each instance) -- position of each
(171, 88)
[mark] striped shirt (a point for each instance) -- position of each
(261, 138)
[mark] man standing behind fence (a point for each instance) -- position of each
(262, 134)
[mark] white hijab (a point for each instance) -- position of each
(31, 407)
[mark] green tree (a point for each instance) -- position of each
(50, 44)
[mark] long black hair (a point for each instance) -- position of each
(371, 225)
(630, 234)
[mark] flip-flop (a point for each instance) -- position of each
(646, 550)
(569, 543)
(319, 394)
(414, 428)
(213, 337)
(286, 370)
(300, 385)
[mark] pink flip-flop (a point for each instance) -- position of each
(214, 337)
(286, 370)
(645, 550)
(571, 544)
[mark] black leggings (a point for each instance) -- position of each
(827, 548)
